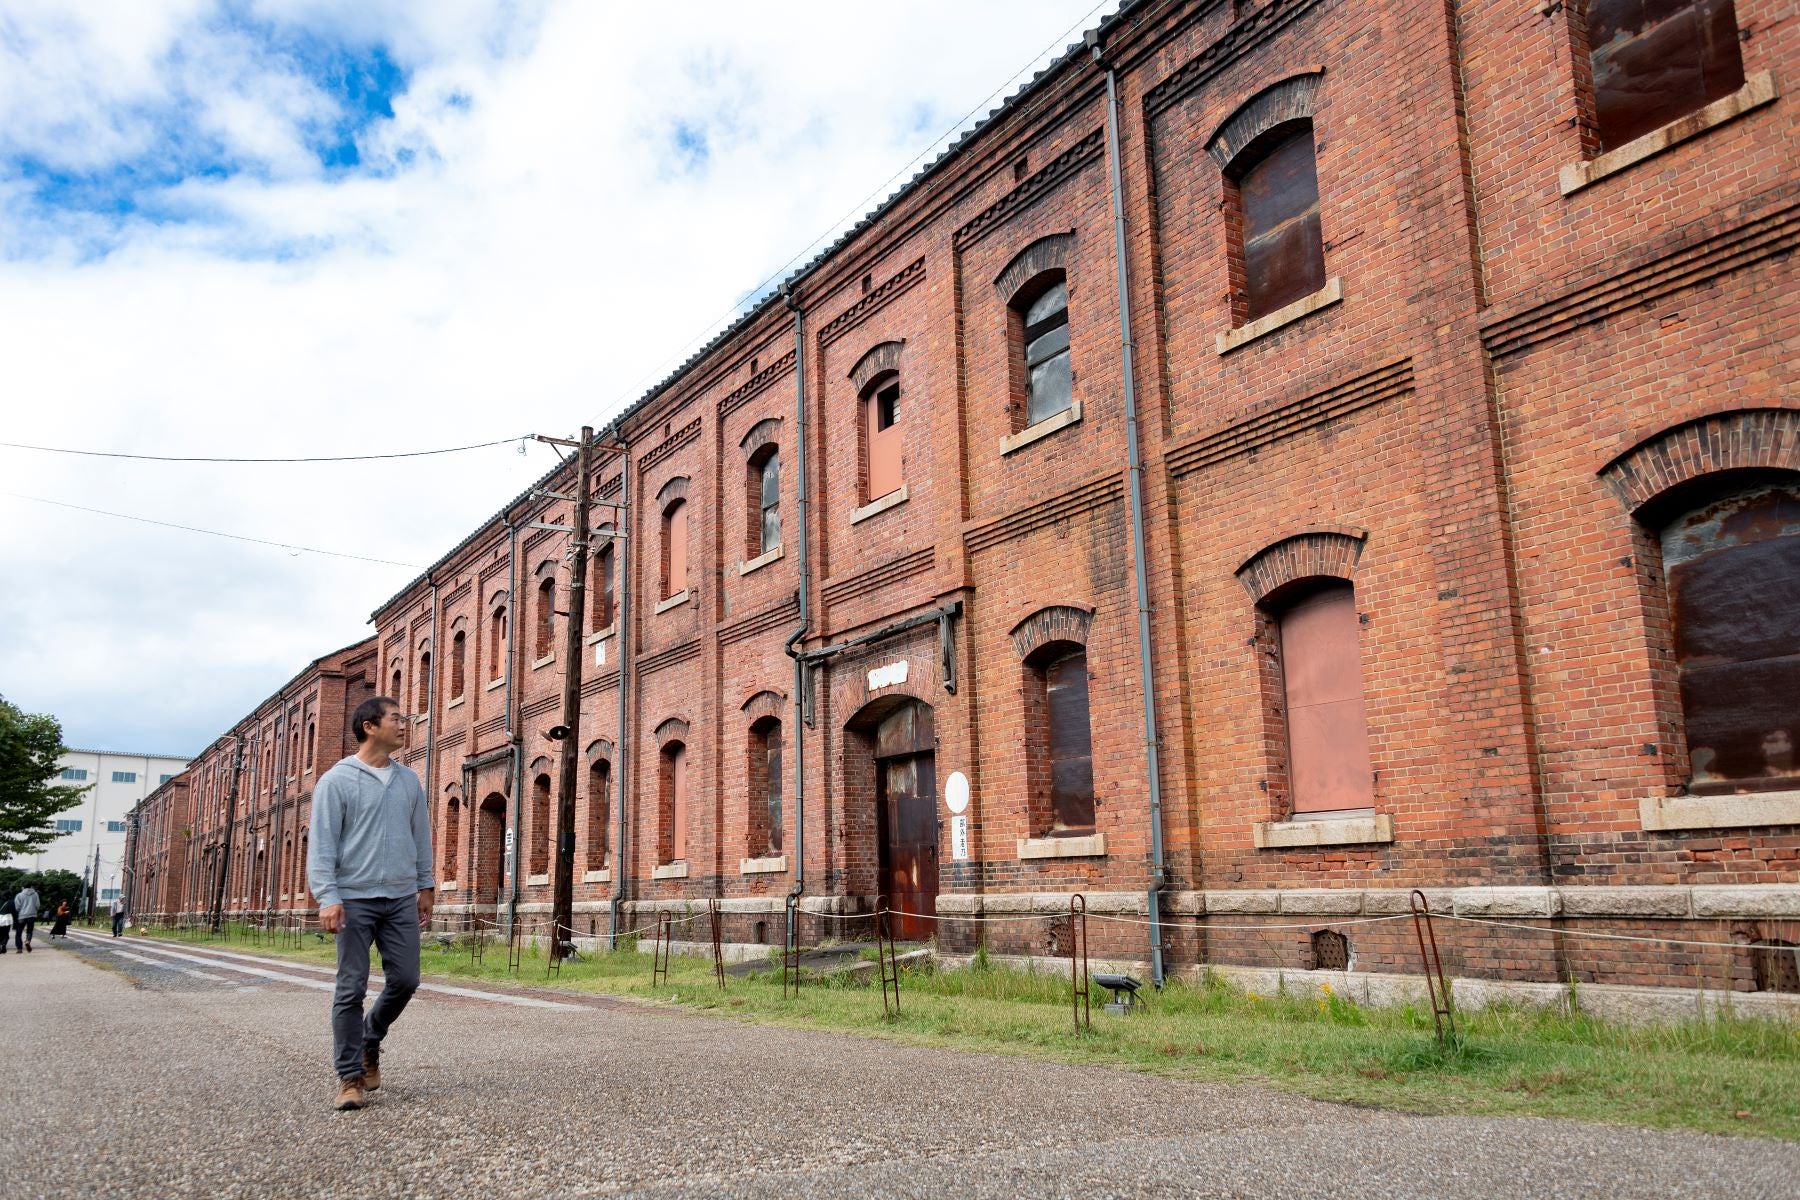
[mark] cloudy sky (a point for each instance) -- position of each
(317, 227)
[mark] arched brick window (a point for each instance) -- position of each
(1327, 726)
(604, 594)
(497, 642)
(1652, 62)
(763, 488)
(399, 688)
(422, 684)
(1035, 287)
(540, 824)
(1059, 740)
(311, 744)
(881, 435)
(765, 789)
(1731, 563)
(674, 548)
(452, 837)
(546, 617)
(672, 802)
(599, 800)
(459, 655)
(1265, 149)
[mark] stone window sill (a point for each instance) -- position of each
(1324, 830)
(536, 880)
(896, 497)
(1268, 323)
(494, 683)
(761, 560)
(1093, 846)
(448, 885)
(1043, 429)
(675, 601)
(602, 635)
(1661, 813)
(1758, 90)
(674, 870)
(544, 661)
(456, 703)
(604, 875)
(762, 866)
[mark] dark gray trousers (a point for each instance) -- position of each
(393, 927)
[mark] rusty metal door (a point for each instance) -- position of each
(906, 818)
(490, 853)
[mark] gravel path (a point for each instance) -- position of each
(191, 1088)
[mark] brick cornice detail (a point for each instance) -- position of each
(1289, 100)
(1329, 553)
(1246, 35)
(1091, 495)
(1057, 623)
(874, 302)
(879, 576)
(1758, 437)
(1286, 420)
(1034, 188)
(757, 384)
(670, 445)
(1697, 259)
(653, 663)
(756, 623)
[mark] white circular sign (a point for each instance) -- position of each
(956, 792)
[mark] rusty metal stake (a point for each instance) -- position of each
(1078, 963)
(790, 948)
(887, 960)
(515, 949)
(712, 908)
(1442, 1013)
(659, 953)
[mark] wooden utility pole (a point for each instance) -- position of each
(224, 871)
(562, 904)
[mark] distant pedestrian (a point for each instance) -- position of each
(8, 915)
(118, 915)
(369, 865)
(61, 927)
(25, 912)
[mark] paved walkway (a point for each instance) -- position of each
(149, 1080)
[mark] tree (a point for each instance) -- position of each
(52, 887)
(30, 745)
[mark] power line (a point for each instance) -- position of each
(223, 459)
(236, 537)
(1060, 40)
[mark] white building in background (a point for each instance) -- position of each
(97, 824)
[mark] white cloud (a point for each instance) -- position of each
(526, 246)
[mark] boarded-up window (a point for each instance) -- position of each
(540, 825)
(673, 787)
(459, 656)
(1046, 337)
(605, 593)
(1282, 249)
(546, 618)
(1067, 743)
(452, 837)
(422, 684)
(674, 548)
(881, 423)
(311, 743)
(1733, 569)
(1655, 61)
(399, 689)
(599, 812)
(497, 642)
(1327, 722)
(769, 502)
(765, 788)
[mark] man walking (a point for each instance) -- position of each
(369, 866)
(118, 915)
(25, 911)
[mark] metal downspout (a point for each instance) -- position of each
(621, 765)
(512, 723)
(799, 736)
(1158, 868)
(430, 708)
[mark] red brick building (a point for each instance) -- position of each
(1403, 397)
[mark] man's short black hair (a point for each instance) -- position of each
(372, 711)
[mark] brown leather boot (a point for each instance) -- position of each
(350, 1094)
(371, 1068)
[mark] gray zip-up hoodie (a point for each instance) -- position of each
(368, 841)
